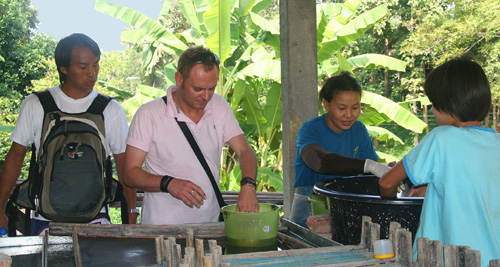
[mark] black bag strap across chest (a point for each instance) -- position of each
(196, 149)
(49, 105)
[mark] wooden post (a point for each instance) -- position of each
(374, 234)
(423, 250)
(167, 253)
(190, 237)
(76, 248)
(436, 255)
(393, 226)
(366, 232)
(461, 256)
(495, 263)
(199, 251)
(176, 255)
(212, 244)
(45, 251)
(189, 258)
(218, 256)
(450, 255)
(208, 260)
(189, 250)
(159, 249)
(473, 258)
(403, 241)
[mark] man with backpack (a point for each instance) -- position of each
(74, 129)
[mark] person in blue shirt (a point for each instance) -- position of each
(333, 144)
(457, 163)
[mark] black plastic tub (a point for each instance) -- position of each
(350, 198)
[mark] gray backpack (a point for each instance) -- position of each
(70, 179)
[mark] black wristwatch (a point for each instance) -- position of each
(249, 181)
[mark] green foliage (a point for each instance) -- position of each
(246, 40)
(121, 69)
(471, 28)
(23, 57)
(21, 51)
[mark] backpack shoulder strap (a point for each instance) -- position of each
(99, 104)
(47, 101)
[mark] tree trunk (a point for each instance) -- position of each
(487, 120)
(495, 113)
(426, 119)
(387, 91)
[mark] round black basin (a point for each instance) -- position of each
(350, 198)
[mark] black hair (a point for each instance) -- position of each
(208, 59)
(460, 88)
(344, 82)
(65, 47)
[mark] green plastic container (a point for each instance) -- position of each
(319, 204)
(251, 229)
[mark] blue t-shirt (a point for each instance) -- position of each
(354, 143)
(462, 203)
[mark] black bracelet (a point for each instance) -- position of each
(165, 180)
(249, 181)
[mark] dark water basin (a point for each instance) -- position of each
(352, 197)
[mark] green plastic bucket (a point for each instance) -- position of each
(319, 204)
(251, 229)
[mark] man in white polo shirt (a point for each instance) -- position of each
(177, 188)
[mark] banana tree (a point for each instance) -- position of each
(336, 28)
(222, 27)
(249, 49)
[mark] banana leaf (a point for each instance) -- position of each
(266, 69)
(142, 22)
(189, 11)
(218, 22)
(272, 108)
(269, 26)
(382, 134)
(251, 107)
(349, 7)
(388, 110)
(351, 31)
(423, 100)
(122, 95)
(245, 6)
(144, 94)
(376, 61)
(6, 128)
(272, 179)
(386, 157)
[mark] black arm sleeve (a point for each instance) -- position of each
(321, 161)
